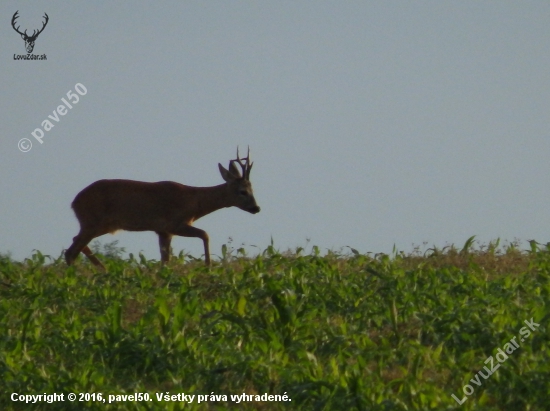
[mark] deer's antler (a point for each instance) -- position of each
(34, 33)
(15, 16)
(43, 27)
(245, 164)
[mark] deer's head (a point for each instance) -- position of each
(29, 40)
(239, 183)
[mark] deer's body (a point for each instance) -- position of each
(111, 205)
(165, 207)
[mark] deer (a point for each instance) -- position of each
(165, 207)
(29, 40)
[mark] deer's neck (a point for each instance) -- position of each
(210, 199)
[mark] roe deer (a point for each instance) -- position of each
(165, 207)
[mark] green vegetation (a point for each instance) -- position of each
(333, 332)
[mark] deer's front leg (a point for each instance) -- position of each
(190, 231)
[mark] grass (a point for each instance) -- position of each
(332, 332)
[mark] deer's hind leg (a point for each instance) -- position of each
(80, 244)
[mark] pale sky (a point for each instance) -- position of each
(370, 123)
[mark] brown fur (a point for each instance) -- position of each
(165, 207)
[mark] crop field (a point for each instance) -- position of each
(454, 328)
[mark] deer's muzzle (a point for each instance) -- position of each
(254, 209)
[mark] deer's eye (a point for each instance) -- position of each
(243, 193)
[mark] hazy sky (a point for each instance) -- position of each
(370, 123)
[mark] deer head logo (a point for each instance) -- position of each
(29, 40)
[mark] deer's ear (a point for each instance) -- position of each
(234, 170)
(226, 175)
(23, 36)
